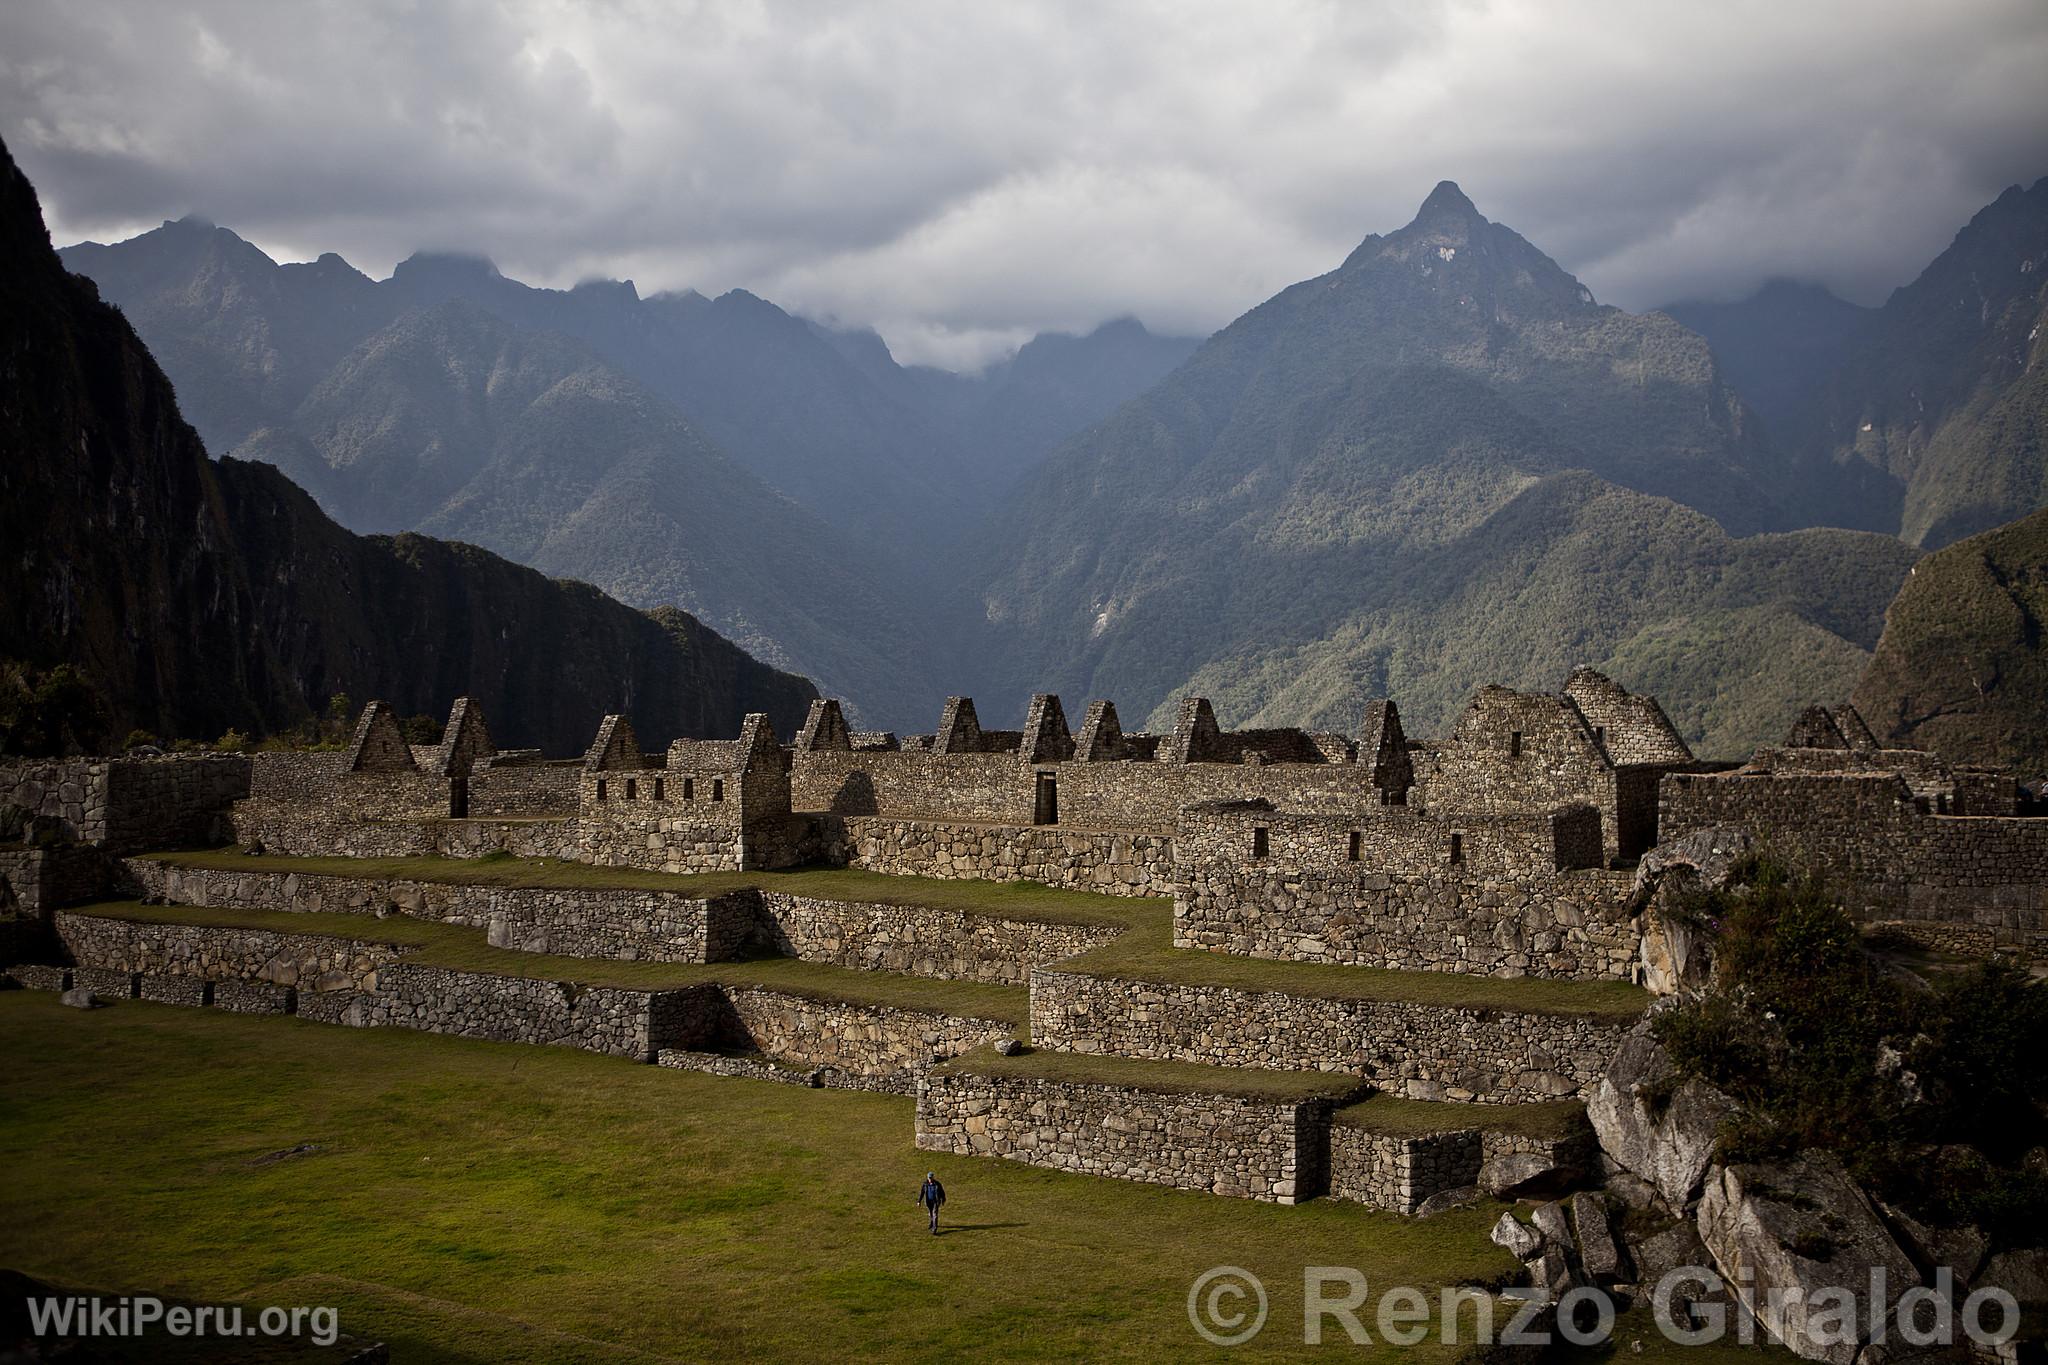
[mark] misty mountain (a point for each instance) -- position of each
(1439, 464)
(452, 421)
(200, 595)
(1777, 346)
(1006, 418)
(1943, 395)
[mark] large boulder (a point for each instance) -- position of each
(2022, 1273)
(1675, 955)
(1517, 1238)
(1660, 1128)
(1600, 1252)
(1798, 1242)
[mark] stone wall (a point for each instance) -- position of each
(308, 831)
(918, 940)
(1116, 863)
(1866, 833)
(1502, 908)
(575, 921)
(887, 1047)
(310, 962)
(39, 879)
(620, 1023)
(1224, 1144)
(1398, 1172)
(524, 789)
(1423, 1051)
(130, 803)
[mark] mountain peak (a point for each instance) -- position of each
(1446, 201)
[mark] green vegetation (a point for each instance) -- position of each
(434, 944)
(46, 713)
(487, 1204)
(1961, 668)
(1924, 1091)
(1168, 1077)
(1146, 954)
(1013, 900)
(1398, 1116)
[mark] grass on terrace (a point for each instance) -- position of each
(1167, 1077)
(1146, 953)
(435, 944)
(1016, 900)
(1397, 1116)
(474, 1202)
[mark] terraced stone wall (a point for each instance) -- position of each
(1424, 1051)
(1224, 1144)
(886, 1046)
(311, 962)
(620, 1023)
(577, 921)
(918, 940)
(1400, 1172)
(1489, 895)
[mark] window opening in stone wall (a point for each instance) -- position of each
(632, 789)
(1600, 735)
(1457, 849)
(1515, 744)
(718, 789)
(1357, 845)
(689, 789)
(661, 789)
(1259, 841)
(600, 789)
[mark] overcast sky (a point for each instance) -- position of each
(963, 175)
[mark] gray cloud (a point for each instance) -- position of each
(963, 176)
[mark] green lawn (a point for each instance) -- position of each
(1015, 900)
(436, 944)
(483, 1202)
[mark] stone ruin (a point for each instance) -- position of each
(1533, 845)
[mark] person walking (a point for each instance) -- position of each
(932, 1194)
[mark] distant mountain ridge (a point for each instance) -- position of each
(715, 454)
(1928, 416)
(1441, 462)
(200, 595)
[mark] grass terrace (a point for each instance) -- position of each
(1398, 1116)
(1174, 1078)
(455, 946)
(1146, 953)
(1010, 900)
(474, 1202)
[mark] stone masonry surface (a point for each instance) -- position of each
(1224, 1144)
(1422, 1051)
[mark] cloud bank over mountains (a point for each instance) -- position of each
(962, 177)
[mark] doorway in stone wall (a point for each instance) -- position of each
(458, 798)
(1045, 807)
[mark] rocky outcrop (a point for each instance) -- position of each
(1654, 1124)
(1800, 1243)
(1675, 955)
(253, 607)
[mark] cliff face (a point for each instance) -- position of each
(1961, 666)
(200, 595)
